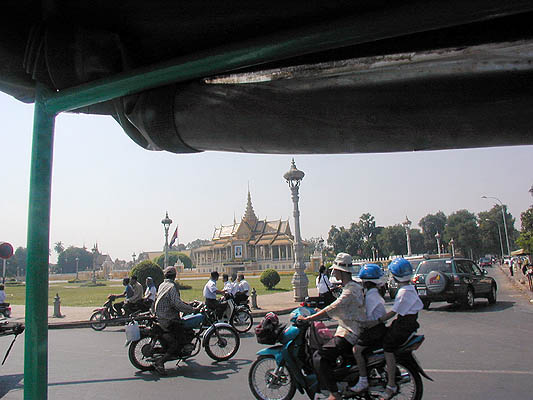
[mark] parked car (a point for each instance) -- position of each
(453, 280)
(485, 262)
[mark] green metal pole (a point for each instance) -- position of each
(36, 336)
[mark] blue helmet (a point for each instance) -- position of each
(401, 269)
(370, 271)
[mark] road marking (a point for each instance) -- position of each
(480, 371)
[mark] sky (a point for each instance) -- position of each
(108, 190)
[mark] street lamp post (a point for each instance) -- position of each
(437, 236)
(499, 234)
(407, 225)
(504, 223)
(133, 256)
(373, 253)
(95, 252)
(166, 224)
(77, 265)
(299, 281)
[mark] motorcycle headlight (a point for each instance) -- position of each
(339, 361)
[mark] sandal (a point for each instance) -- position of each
(358, 388)
(390, 392)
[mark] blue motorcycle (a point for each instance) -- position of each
(282, 369)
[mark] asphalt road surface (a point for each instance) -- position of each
(484, 354)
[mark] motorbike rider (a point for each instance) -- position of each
(150, 292)
(128, 294)
(242, 290)
(210, 294)
(370, 275)
(135, 301)
(407, 304)
(168, 306)
(349, 311)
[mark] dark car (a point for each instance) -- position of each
(485, 262)
(455, 280)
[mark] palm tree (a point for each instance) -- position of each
(59, 248)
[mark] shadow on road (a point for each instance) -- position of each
(479, 306)
(191, 369)
(10, 382)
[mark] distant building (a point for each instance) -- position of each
(249, 245)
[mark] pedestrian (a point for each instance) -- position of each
(530, 276)
(324, 286)
(510, 265)
(2, 294)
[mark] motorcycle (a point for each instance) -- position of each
(10, 328)
(282, 369)
(107, 315)
(5, 310)
(220, 340)
(236, 314)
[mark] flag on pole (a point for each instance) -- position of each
(174, 237)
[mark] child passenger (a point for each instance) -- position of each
(370, 275)
(407, 304)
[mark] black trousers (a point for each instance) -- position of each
(324, 361)
(216, 306)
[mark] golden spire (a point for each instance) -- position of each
(249, 214)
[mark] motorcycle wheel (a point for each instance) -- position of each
(222, 343)
(409, 382)
(242, 321)
(139, 352)
(98, 321)
(265, 385)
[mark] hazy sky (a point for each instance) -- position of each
(106, 189)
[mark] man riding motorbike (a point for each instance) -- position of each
(350, 312)
(168, 306)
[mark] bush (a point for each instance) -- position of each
(145, 269)
(270, 278)
(183, 287)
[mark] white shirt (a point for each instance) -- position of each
(228, 286)
(374, 304)
(210, 289)
(2, 296)
(234, 288)
(322, 283)
(244, 286)
(150, 292)
(407, 301)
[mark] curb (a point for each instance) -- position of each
(87, 324)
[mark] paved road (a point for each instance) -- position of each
(478, 354)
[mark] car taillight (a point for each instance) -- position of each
(456, 278)
(416, 279)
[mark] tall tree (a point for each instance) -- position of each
(431, 224)
(59, 248)
(392, 241)
(489, 230)
(66, 261)
(463, 229)
(525, 240)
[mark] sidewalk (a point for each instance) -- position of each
(75, 317)
(519, 281)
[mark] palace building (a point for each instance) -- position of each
(250, 245)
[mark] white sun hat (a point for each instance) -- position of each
(343, 262)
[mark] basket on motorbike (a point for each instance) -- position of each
(269, 329)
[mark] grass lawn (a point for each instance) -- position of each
(74, 294)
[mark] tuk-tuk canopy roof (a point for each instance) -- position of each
(284, 77)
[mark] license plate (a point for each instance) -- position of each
(422, 292)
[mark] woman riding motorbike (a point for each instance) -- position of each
(349, 311)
